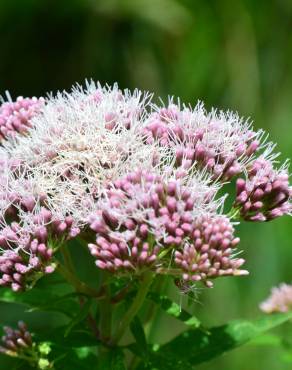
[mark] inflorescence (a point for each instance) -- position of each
(140, 181)
(280, 299)
(19, 343)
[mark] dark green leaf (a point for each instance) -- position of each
(75, 339)
(42, 300)
(72, 360)
(197, 346)
(162, 363)
(173, 309)
(111, 359)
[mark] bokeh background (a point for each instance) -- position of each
(230, 54)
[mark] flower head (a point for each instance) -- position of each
(80, 142)
(144, 183)
(16, 117)
(16, 341)
(209, 251)
(280, 299)
(265, 194)
(221, 142)
(145, 218)
(19, 343)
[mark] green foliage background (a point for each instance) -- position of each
(230, 54)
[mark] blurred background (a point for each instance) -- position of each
(230, 54)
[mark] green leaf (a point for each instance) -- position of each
(163, 363)
(173, 309)
(79, 317)
(197, 346)
(267, 340)
(76, 338)
(72, 360)
(111, 359)
(139, 335)
(42, 300)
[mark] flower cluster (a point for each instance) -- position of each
(222, 143)
(280, 299)
(143, 183)
(209, 253)
(16, 341)
(144, 217)
(28, 249)
(80, 142)
(19, 343)
(265, 194)
(15, 117)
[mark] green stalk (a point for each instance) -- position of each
(134, 308)
(79, 285)
(68, 272)
(105, 310)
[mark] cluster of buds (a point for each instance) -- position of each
(19, 343)
(21, 269)
(15, 117)
(280, 299)
(265, 194)
(27, 254)
(145, 217)
(130, 223)
(16, 341)
(221, 143)
(208, 253)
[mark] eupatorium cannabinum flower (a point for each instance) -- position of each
(80, 142)
(265, 194)
(16, 341)
(15, 117)
(145, 218)
(280, 299)
(140, 183)
(221, 142)
(19, 343)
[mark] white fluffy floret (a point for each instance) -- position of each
(79, 142)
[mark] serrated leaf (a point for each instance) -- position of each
(197, 346)
(173, 309)
(139, 335)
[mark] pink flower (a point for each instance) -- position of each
(16, 341)
(15, 117)
(220, 142)
(265, 194)
(144, 219)
(280, 299)
(209, 252)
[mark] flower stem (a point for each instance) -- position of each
(79, 285)
(105, 310)
(134, 308)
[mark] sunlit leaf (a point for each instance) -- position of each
(197, 346)
(173, 309)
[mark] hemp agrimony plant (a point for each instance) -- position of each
(140, 188)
